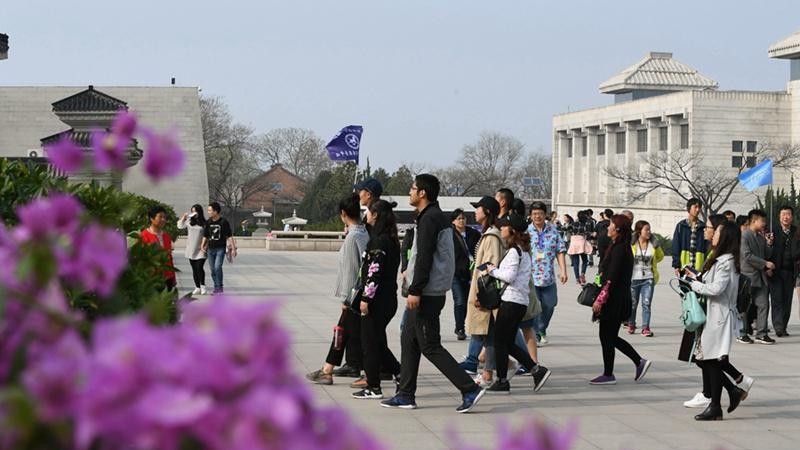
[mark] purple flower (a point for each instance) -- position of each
(370, 289)
(56, 214)
(109, 150)
(163, 156)
(98, 257)
(374, 267)
(65, 155)
(125, 124)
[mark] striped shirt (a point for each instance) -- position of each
(350, 259)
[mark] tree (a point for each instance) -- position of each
(489, 164)
(299, 150)
(324, 193)
(538, 165)
(685, 173)
(400, 182)
(382, 176)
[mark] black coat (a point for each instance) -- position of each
(463, 249)
(617, 267)
(781, 241)
(385, 251)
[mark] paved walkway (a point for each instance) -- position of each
(647, 415)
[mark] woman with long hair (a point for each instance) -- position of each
(720, 286)
(646, 256)
(579, 247)
(379, 296)
(195, 223)
(613, 304)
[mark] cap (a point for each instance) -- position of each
(538, 206)
(489, 203)
(514, 221)
(372, 185)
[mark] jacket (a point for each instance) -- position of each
(658, 255)
(681, 243)
(617, 267)
(379, 270)
(355, 242)
(781, 241)
(166, 244)
(754, 255)
(490, 249)
(432, 262)
(515, 269)
(464, 251)
(720, 287)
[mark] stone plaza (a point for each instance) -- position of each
(646, 415)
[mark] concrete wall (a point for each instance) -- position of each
(26, 116)
(283, 244)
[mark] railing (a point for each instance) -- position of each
(303, 235)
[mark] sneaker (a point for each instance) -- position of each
(360, 383)
(461, 335)
(320, 377)
(196, 291)
(369, 393)
(522, 371)
(746, 383)
(499, 387)
(631, 328)
(469, 367)
(203, 290)
(603, 379)
(470, 399)
(482, 382)
(513, 368)
(641, 369)
(583, 280)
(646, 332)
(543, 340)
(698, 401)
(744, 339)
(765, 340)
(347, 371)
(540, 376)
(399, 402)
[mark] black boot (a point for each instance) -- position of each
(713, 412)
(736, 395)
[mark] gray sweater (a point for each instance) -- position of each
(350, 259)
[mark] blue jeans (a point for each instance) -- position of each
(579, 263)
(460, 290)
(216, 256)
(548, 297)
(641, 290)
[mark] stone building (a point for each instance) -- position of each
(663, 105)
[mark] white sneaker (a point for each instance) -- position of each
(543, 341)
(746, 383)
(699, 401)
(203, 290)
(480, 381)
(196, 291)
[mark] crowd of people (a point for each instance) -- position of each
(739, 270)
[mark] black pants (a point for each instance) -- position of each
(726, 367)
(377, 354)
(506, 326)
(713, 379)
(610, 341)
(352, 343)
(198, 272)
(421, 336)
(781, 290)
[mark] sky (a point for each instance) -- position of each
(423, 77)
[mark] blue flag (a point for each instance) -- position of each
(345, 145)
(759, 175)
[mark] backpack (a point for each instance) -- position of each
(744, 297)
(490, 289)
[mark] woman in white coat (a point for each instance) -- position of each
(195, 222)
(720, 286)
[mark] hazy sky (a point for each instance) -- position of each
(422, 77)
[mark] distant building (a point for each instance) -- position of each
(277, 189)
(663, 105)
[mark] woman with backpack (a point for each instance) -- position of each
(720, 286)
(515, 270)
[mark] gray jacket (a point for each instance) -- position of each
(431, 265)
(754, 255)
(350, 259)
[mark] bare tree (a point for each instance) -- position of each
(298, 150)
(685, 173)
(538, 165)
(490, 163)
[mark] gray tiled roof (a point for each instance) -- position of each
(89, 100)
(788, 48)
(657, 71)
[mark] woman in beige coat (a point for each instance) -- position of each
(490, 249)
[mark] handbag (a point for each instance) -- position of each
(490, 290)
(588, 294)
(534, 305)
(692, 314)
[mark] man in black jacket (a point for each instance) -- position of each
(785, 255)
(464, 241)
(601, 231)
(430, 275)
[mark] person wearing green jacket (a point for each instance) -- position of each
(646, 256)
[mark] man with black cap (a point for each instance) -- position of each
(429, 277)
(369, 191)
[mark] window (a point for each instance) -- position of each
(277, 186)
(685, 136)
(740, 158)
(641, 141)
(584, 141)
(663, 132)
(736, 146)
(569, 147)
(620, 142)
(601, 144)
(751, 146)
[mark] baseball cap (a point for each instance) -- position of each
(372, 185)
(488, 203)
(514, 221)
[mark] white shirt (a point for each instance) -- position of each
(515, 269)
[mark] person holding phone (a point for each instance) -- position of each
(756, 251)
(194, 222)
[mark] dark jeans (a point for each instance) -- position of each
(583, 262)
(506, 327)
(610, 341)
(216, 256)
(548, 297)
(726, 367)
(781, 290)
(712, 380)
(198, 272)
(460, 290)
(420, 337)
(352, 343)
(377, 354)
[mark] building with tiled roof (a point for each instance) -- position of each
(662, 106)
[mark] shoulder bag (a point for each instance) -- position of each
(692, 315)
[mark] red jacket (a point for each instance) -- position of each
(150, 238)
